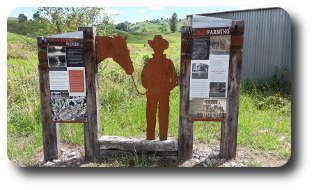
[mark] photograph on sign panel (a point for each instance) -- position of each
(220, 45)
(207, 108)
(59, 94)
(56, 56)
(217, 89)
(199, 70)
(71, 108)
(200, 48)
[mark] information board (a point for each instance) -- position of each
(67, 79)
(210, 54)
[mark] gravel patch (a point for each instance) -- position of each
(204, 155)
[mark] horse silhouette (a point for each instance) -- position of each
(116, 48)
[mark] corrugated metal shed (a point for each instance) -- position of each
(267, 40)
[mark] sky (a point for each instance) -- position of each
(138, 14)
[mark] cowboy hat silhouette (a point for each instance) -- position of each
(158, 44)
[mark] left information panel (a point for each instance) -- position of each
(67, 79)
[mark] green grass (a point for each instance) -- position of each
(23, 111)
(27, 28)
(265, 127)
(264, 115)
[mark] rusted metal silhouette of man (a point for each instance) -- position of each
(159, 78)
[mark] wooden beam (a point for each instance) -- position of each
(51, 136)
(91, 127)
(229, 128)
(207, 119)
(185, 138)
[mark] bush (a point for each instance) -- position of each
(279, 82)
(270, 94)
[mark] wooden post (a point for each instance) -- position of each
(91, 127)
(51, 136)
(185, 139)
(229, 128)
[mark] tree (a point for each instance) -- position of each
(36, 16)
(174, 22)
(106, 27)
(124, 26)
(58, 20)
(22, 18)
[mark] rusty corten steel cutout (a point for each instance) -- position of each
(159, 78)
(117, 49)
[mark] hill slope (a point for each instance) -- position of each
(135, 35)
(142, 37)
(156, 25)
(27, 28)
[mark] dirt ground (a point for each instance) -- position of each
(72, 155)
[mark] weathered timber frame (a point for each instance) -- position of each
(51, 135)
(91, 127)
(185, 136)
(229, 126)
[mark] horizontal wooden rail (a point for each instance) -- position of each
(206, 119)
(82, 121)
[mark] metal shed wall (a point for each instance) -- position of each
(267, 41)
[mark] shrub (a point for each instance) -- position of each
(279, 82)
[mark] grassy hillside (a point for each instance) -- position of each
(20, 47)
(154, 26)
(27, 28)
(150, 26)
(143, 37)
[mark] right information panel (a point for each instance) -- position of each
(209, 67)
